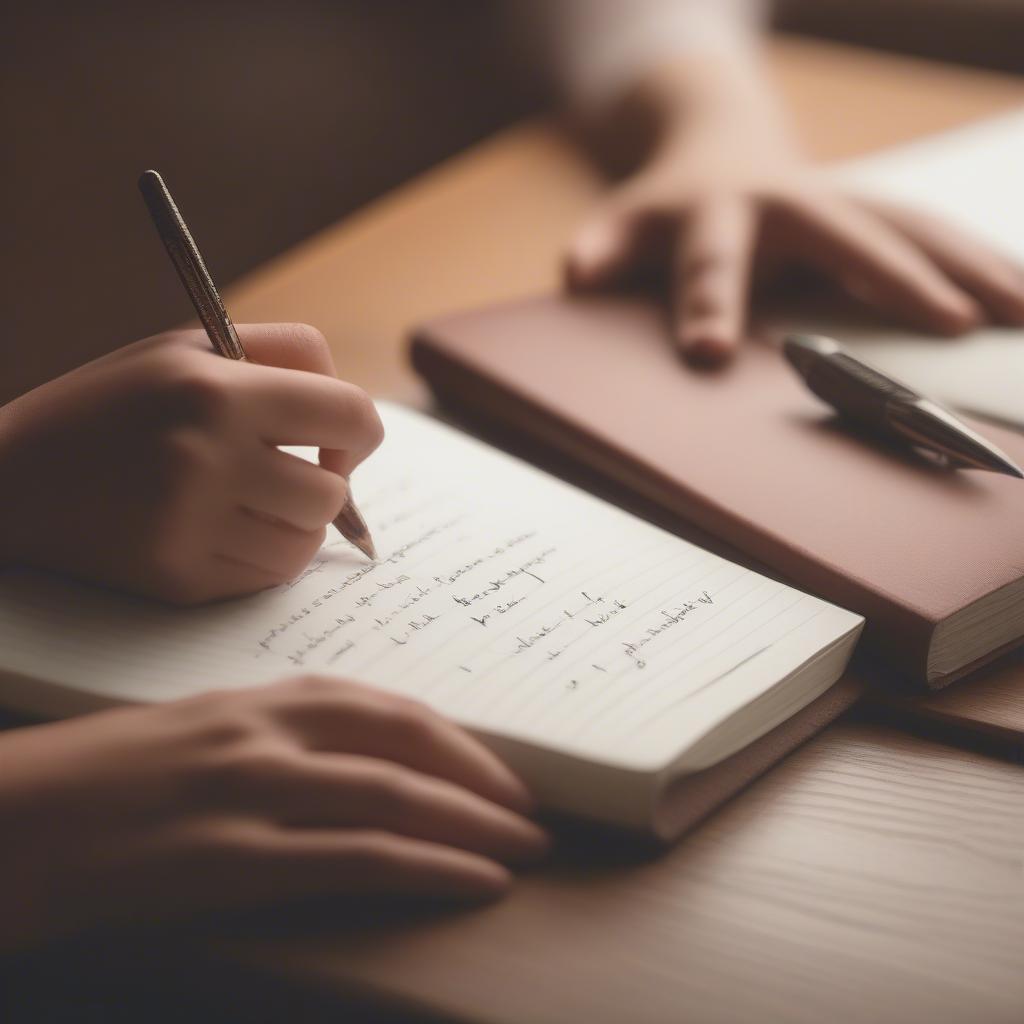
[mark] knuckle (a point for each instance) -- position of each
(184, 453)
(227, 724)
(197, 393)
(249, 764)
(229, 705)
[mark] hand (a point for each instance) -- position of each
(724, 193)
(308, 788)
(156, 469)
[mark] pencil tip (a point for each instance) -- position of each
(366, 545)
(1000, 462)
(352, 526)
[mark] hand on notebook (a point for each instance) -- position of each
(307, 788)
(722, 195)
(155, 468)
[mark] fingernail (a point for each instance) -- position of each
(704, 351)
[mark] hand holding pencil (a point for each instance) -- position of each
(155, 469)
(209, 306)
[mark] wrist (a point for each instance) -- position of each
(713, 94)
(689, 100)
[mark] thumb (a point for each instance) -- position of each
(290, 346)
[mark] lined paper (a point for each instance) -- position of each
(509, 600)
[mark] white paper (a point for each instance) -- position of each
(509, 600)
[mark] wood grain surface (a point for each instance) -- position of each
(873, 876)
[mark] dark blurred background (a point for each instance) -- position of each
(270, 121)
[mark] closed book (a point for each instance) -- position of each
(933, 558)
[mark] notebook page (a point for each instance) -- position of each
(515, 603)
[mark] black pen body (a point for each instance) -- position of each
(879, 403)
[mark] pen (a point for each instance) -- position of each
(191, 268)
(869, 397)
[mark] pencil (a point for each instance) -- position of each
(213, 315)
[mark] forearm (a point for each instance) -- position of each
(688, 95)
(637, 77)
(702, 90)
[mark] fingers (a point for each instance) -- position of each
(296, 863)
(291, 346)
(711, 278)
(879, 265)
(332, 715)
(608, 247)
(293, 407)
(292, 490)
(988, 276)
(308, 405)
(274, 548)
(219, 576)
(358, 792)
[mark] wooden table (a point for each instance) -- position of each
(873, 876)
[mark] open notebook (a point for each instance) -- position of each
(601, 656)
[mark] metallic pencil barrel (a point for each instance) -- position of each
(213, 315)
(867, 395)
